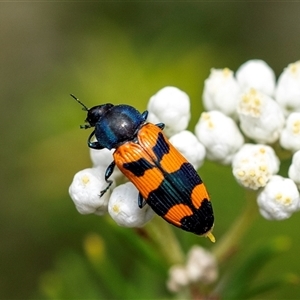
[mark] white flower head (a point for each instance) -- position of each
(170, 106)
(123, 207)
(201, 266)
(279, 199)
(260, 116)
(220, 136)
(288, 88)
(294, 169)
(102, 158)
(253, 165)
(85, 191)
(221, 92)
(189, 146)
(290, 135)
(258, 75)
(178, 278)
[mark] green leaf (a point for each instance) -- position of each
(238, 284)
(286, 279)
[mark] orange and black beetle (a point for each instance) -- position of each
(164, 178)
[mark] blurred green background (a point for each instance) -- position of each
(118, 52)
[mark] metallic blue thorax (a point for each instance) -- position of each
(118, 125)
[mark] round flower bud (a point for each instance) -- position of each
(260, 116)
(221, 92)
(85, 191)
(220, 136)
(189, 146)
(288, 88)
(294, 169)
(170, 106)
(253, 165)
(279, 199)
(123, 207)
(201, 266)
(290, 135)
(102, 158)
(178, 278)
(258, 75)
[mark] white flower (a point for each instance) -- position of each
(189, 146)
(279, 199)
(85, 191)
(201, 267)
(294, 169)
(123, 207)
(290, 136)
(288, 88)
(258, 75)
(220, 136)
(102, 158)
(221, 92)
(178, 278)
(260, 116)
(170, 106)
(254, 165)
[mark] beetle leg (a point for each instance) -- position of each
(145, 115)
(160, 125)
(141, 201)
(106, 189)
(93, 145)
(108, 172)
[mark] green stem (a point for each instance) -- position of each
(164, 237)
(230, 241)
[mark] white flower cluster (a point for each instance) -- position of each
(120, 202)
(170, 106)
(246, 113)
(264, 112)
(200, 267)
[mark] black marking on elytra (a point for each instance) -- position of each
(176, 188)
(138, 167)
(161, 147)
(201, 221)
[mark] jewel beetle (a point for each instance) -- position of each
(164, 178)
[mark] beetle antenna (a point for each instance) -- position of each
(83, 106)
